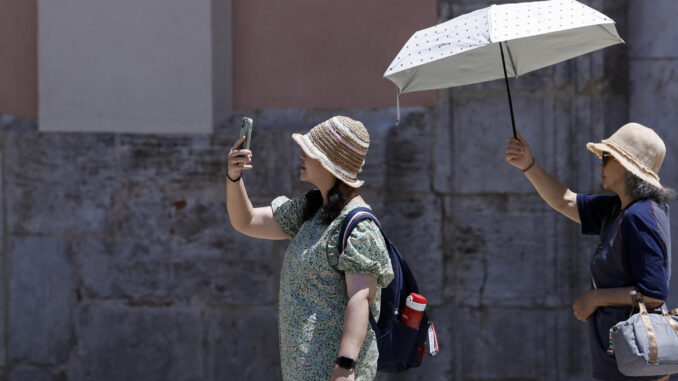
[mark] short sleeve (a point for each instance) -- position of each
(593, 210)
(289, 213)
(366, 253)
(646, 253)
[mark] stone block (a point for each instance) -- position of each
(30, 373)
(95, 261)
(652, 32)
(145, 219)
(108, 271)
(225, 281)
(471, 156)
(140, 247)
(653, 102)
(408, 154)
(244, 344)
(200, 228)
(413, 223)
(141, 280)
(375, 170)
(59, 183)
(441, 143)
(42, 296)
(507, 344)
(141, 343)
(507, 251)
(211, 259)
(481, 129)
(194, 161)
(199, 163)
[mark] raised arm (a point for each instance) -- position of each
(555, 193)
(254, 222)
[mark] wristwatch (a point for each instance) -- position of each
(345, 362)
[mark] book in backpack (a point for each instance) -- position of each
(400, 346)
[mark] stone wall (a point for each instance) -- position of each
(120, 262)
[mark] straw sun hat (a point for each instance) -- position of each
(340, 144)
(637, 148)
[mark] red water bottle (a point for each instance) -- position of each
(414, 310)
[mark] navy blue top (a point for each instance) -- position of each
(634, 251)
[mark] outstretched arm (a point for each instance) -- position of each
(555, 193)
(254, 222)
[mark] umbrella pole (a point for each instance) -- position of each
(508, 90)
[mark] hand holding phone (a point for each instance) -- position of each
(246, 131)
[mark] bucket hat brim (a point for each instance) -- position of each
(313, 152)
(631, 165)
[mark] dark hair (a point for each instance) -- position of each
(336, 201)
(639, 189)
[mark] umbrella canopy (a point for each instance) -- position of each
(464, 50)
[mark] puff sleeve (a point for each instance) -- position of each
(289, 213)
(366, 253)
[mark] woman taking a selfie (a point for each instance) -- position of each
(325, 297)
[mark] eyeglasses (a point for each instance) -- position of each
(606, 157)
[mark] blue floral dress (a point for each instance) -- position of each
(313, 295)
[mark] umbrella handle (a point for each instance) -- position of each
(508, 90)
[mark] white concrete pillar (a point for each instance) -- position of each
(136, 66)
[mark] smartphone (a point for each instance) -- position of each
(246, 131)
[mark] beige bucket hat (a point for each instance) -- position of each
(340, 144)
(637, 148)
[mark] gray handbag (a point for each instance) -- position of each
(646, 344)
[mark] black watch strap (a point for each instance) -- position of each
(345, 362)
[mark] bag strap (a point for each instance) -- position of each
(350, 222)
(651, 336)
(672, 322)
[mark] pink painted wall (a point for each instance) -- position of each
(322, 54)
(18, 58)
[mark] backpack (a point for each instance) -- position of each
(400, 347)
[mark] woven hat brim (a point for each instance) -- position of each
(313, 152)
(642, 173)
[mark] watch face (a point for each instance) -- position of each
(345, 362)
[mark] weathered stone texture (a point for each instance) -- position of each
(243, 344)
(117, 343)
(29, 373)
(42, 298)
(507, 251)
(408, 159)
(60, 183)
(191, 161)
(653, 74)
(94, 260)
(652, 31)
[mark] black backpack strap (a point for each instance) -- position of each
(350, 222)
